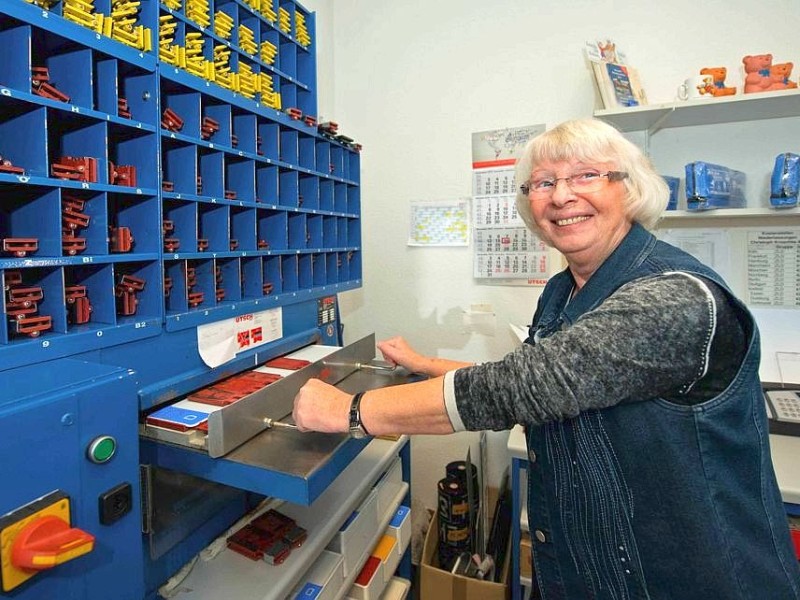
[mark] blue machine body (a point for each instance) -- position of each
(107, 279)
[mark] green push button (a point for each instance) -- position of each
(102, 449)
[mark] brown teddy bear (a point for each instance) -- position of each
(779, 74)
(718, 74)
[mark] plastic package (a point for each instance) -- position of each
(713, 186)
(785, 181)
(674, 184)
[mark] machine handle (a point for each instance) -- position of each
(270, 423)
(47, 542)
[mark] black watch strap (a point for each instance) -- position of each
(357, 429)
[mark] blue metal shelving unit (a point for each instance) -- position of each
(99, 316)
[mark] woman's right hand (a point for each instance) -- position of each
(396, 351)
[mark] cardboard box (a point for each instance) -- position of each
(442, 585)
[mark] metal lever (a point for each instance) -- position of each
(359, 366)
(272, 423)
(369, 367)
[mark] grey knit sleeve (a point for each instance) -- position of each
(652, 337)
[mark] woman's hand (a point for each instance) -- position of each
(322, 407)
(396, 351)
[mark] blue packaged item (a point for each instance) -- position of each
(674, 184)
(785, 181)
(713, 186)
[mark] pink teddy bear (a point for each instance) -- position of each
(757, 73)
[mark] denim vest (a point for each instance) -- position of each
(650, 499)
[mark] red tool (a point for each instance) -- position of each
(46, 90)
(208, 128)
(25, 296)
(230, 195)
(234, 244)
(121, 239)
(195, 299)
(294, 113)
(80, 311)
(171, 244)
(284, 362)
(122, 108)
(77, 168)
(72, 292)
(213, 396)
(7, 167)
(73, 219)
(202, 245)
(121, 175)
(130, 283)
(73, 203)
(12, 278)
(39, 75)
(126, 303)
(33, 326)
(19, 247)
(72, 245)
(329, 127)
(20, 311)
(171, 120)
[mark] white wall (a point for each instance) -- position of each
(412, 80)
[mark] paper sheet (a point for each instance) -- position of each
(221, 341)
(439, 223)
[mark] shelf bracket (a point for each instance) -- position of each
(656, 127)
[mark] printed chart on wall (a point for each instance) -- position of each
(505, 251)
(773, 267)
(761, 265)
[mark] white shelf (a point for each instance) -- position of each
(731, 213)
(726, 109)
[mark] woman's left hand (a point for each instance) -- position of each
(322, 407)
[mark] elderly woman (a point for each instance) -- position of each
(649, 473)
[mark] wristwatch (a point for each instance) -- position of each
(357, 429)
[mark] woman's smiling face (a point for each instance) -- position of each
(585, 227)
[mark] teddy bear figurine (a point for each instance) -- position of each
(757, 73)
(780, 73)
(718, 75)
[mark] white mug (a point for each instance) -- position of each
(697, 87)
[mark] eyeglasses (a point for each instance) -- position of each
(582, 183)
